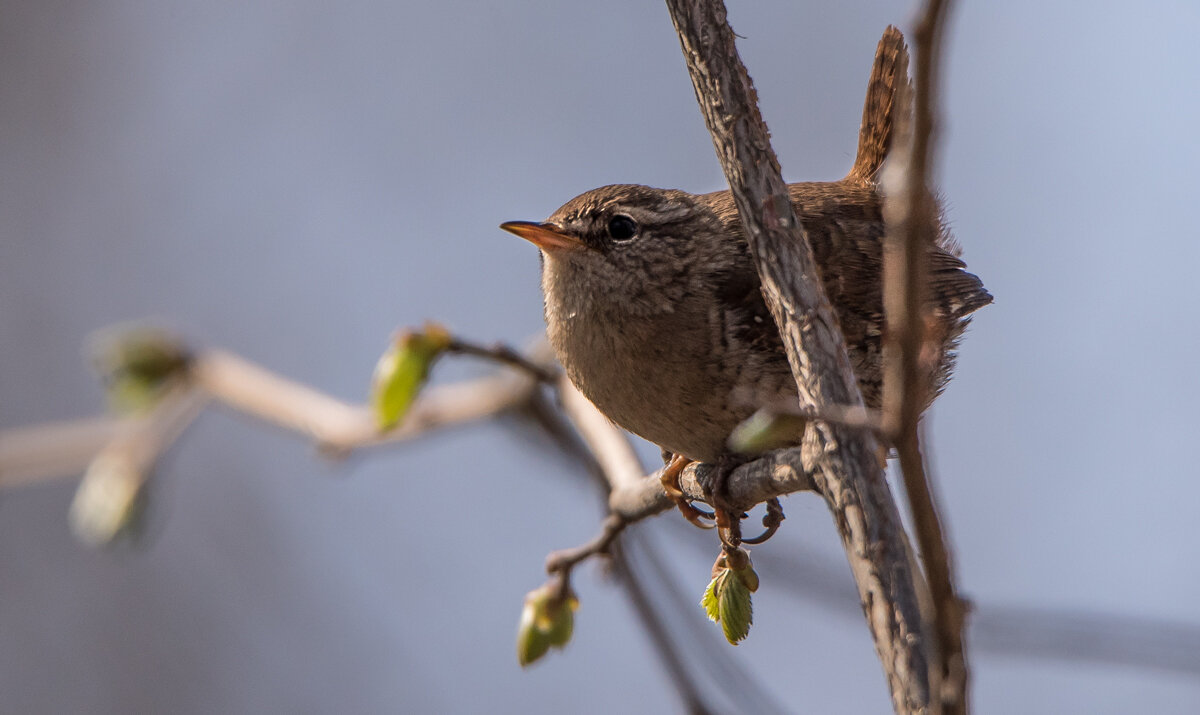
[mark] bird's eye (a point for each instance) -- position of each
(622, 228)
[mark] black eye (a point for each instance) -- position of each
(622, 228)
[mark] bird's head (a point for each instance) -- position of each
(623, 242)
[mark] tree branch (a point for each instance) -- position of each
(338, 427)
(910, 210)
(110, 495)
(32, 454)
(846, 465)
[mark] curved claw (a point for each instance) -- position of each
(694, 515)
(771, 520)
(670, 485)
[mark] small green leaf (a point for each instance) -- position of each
(727, 598)
(736, 612)
(402, 370)
(547, 621)
(710, 601)
(766, 430)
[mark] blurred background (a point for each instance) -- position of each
(295, 180)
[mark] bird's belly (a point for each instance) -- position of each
(656, 377)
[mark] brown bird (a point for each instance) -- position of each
(654, 305)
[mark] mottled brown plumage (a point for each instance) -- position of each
(654, 305)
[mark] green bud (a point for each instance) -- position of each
(547, 621)
(766, 430)
(749, 578)
(136, 363)
(727, 598)
(402, 370)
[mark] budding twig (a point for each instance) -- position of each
(563, 561)
(33, 454)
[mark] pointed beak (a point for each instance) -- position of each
(545, 236)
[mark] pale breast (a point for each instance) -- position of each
(656, 375)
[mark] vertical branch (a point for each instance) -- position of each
(847, 466)
(913, 225)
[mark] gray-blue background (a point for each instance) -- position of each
(294, 180)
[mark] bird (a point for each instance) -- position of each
(655, 310)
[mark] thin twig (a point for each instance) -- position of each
(563, 561)
(672, 656)
(505, 355)
(771, 475)
(565, 429)
(634, 496)
(911, 214)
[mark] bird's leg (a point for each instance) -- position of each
(729, 522)
(670, 485)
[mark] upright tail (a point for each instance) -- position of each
(888, 74)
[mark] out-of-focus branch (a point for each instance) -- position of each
(1016, 631)
(33, 454)
(110, 493)
(29, 455)
(846, 464)
(911, 213)
(503, 354)
(338, 427)
(635, 495)
(607, 442)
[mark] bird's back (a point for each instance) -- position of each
(843, 221)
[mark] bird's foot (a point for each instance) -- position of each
(729, 521)
(670, 485)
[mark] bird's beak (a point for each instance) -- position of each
(545, 236)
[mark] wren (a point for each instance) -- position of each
(654, 305)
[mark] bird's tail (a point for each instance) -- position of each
(888, 75)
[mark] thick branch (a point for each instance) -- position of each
(911, 213)
(847, 466)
